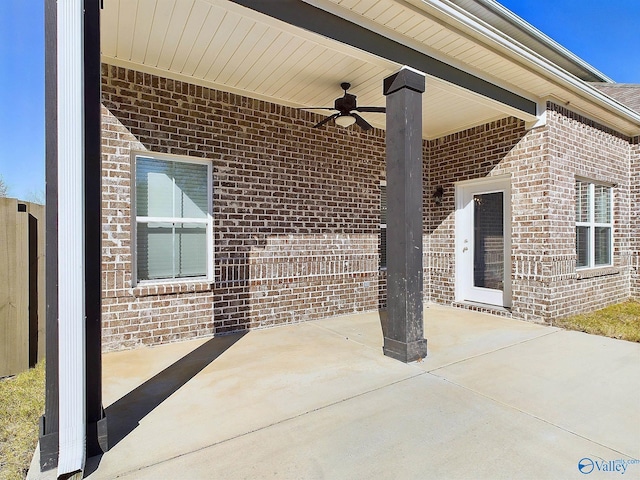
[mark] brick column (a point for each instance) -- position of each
(404, 335)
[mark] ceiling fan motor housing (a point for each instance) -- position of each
(345, 104)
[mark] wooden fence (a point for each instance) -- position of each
(22, 285)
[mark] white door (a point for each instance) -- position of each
(483, 241)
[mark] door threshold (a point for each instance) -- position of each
(484, 308)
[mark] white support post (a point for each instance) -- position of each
(71, 270)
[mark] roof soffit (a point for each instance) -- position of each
(220, 44)
(497, 57)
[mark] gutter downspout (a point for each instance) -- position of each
(71, 270)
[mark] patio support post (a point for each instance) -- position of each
(73, 426)
(96, 427)
(49, 421)
(404, 335)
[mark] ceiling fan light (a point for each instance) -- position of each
(345, 120)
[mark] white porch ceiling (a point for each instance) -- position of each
(222, 45)
(219, 44)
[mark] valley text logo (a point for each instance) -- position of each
(587, 465)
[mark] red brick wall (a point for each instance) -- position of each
(543, 164)
(579, 147)
(296, 211)
(502, 147)
(634, 259)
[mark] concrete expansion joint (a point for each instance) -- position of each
(537, 417)
(489, 352)
(273, 424)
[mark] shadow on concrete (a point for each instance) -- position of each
(384, 321)
(124, 415)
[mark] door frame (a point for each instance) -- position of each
(464, 289)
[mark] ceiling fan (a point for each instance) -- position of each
(346, 107)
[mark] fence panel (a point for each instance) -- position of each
(22, 301)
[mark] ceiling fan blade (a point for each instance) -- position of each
(371, 109)
(361, 122)
(329, 118)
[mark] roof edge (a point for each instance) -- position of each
(566, 79)
(540, 37)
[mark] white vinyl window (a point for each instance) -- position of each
(594, 224)
(172, 219)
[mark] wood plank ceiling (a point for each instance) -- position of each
(219, 44)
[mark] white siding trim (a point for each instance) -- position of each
(71, 268)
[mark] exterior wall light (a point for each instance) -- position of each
(437, 196)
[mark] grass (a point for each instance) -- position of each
(21, 404)
(620, 321)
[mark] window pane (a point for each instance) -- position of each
(166, 250)
(602, 246)
(191, 250)
(582, 246)
(190, 190)
(582, 201)
(170, 189)
(154, 185)
(155, 251)
(602, 204)
(488, 253)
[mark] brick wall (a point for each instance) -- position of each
(543, 164)
(296, 211)
(580, 147)
(502, 147)
(634, 234)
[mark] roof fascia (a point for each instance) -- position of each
(539, 63)
(539, 37)
(308, 17)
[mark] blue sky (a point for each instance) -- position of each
(605, 33)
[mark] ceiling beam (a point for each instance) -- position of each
(308, 17)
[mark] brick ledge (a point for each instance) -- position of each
(171, 288)
(597, 272)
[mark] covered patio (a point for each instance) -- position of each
(496, 398)
(437, 70)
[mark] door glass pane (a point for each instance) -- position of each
(488, 225)
(383, 226)
(582, 246)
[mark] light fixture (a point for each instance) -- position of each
(437, 195)
(345, 120)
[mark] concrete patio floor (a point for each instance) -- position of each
(495, 398)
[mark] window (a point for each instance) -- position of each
(173, 222)
(594, 224)
(383, 224)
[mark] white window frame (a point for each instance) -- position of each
(135, 220)
(592, 224)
